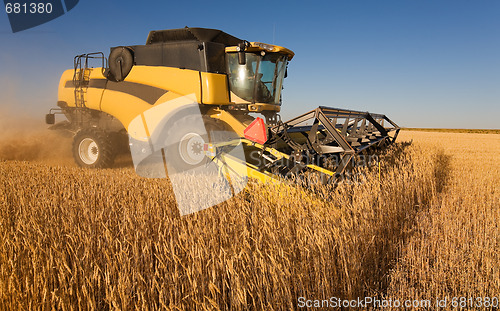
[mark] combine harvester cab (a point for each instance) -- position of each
(189, 97)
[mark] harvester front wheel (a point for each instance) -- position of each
(185, 140)
(92, 148)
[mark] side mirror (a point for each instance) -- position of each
(241, 58)
(50, 118)
(241, 53)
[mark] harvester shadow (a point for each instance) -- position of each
(393, 154)
(441, 170)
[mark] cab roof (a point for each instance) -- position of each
(192, 34)
(210, 35)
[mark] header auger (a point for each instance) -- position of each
(189, 95)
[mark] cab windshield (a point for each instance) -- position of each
(260, 80)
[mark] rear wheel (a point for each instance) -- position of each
(92, 148)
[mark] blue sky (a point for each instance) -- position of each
(423, 63)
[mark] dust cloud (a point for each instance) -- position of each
(27, 138)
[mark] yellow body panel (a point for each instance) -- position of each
(92, 95)
(147, 122)
(66, 94)
(170, 96)
(123, 106)
(180, 81)
(237, 125)
(215, 89)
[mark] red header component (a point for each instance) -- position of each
(256, 131)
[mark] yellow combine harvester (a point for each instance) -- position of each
(185, 87)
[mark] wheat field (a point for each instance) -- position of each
(425, 227)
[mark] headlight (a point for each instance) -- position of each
(264, 46)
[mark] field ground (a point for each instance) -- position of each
(454, 251)
(425, 229)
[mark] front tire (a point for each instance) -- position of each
(184, 143)
(92, 148)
